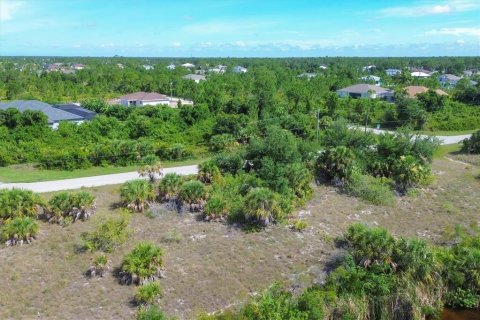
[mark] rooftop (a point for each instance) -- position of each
(53, 114)
(364, 88)
(144, 96)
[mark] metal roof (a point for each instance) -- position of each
(53, 114)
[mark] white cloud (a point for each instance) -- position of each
(460, 42)
(8, 9)
(456, 32)
(228, 27)
(445, 7)
(176, 44)
(207, 44)
(108, 45)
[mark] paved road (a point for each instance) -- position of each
(109, 179)
(443, 139)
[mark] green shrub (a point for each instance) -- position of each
(229, 162)
(63, 159)
(472, 145)
(19, 203)
(336, 165)
(19, 230)
(169, 186)
(136, 194)
(216, 208)
(300, 225)
(208, 172)
(221, 142)
(374, 190)
(263, 206)
(100, 265)
(151, 312)
(193, 193)
(409, 172)
(74, 206)
(175, 152)
(143, 264)
(108, 235)
(148, 293)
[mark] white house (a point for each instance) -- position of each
(307, 75)
(375, 79)
(78, 66)
(448, 80)
(369, 67)
(195, 77)
(139, 99)
(323, 67)
(147, 67)
(393, 72)
(218, 69)
(239, 69)
(420, 74)
(171, 66)
(188, 65)
(364, 90)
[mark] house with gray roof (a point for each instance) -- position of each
(54, 115)
(139, 99)
(364, 90)
(195, 77)
(77, 109)
(448, 80)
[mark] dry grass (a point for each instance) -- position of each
(215, 265)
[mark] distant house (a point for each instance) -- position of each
(78, 66)
(218, 69)
(188, 65)
(470, 72)
(365, 91)
(184, 102)
(239, 69)
(393, 72)
(54, 115)
(374, 79)
(448, 80)
(147, 67)
(195, 77)
(307, 75)
(171, 66)
(412, 91)
(78, 110)
(120, 65)
(369, 67)
(139, 99)
(420, 74)
(323, 67)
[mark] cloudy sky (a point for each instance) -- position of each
(239, 28)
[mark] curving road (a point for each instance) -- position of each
(444, 139)
(95, 181)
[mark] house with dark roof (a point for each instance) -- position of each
(448, 80)
(140, 99)
(76, 109)
(372, 78)
(393, 72)
(54, 115)
(364, 90)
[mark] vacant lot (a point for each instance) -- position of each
(216, 265)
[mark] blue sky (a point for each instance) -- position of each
(239, 28)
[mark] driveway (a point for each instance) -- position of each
(77, 183)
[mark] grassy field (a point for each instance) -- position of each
(28, 173)
(216, 265)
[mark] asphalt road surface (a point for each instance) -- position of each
(95, 181)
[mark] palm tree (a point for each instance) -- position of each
(262, 206)
(169, 186)
(73, 206)
(19, 230)
(193, 193)
(208, 171)
(216, 208)
(143, 264)
(152, 169)
(136, 194)
(148, 293)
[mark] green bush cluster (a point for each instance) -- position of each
(379, 278)
(108, 235)
(472, 144)
(65, 206)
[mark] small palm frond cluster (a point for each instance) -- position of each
(100, 266)
(137, 194)
(143, 264)
(65, 206)
(169, 187)
(19, 231)
(152, 169)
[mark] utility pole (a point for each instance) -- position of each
(370, 92)
(317, 114)
(171, 91)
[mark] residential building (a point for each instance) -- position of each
(54, 115)
(147, 67)
(188, 65)
(369, 67)
(412, 91)
(470, 72)
(374, 79)
(239, 69)
(420, 74)
(140, 99)
(307, 75)
(323, 67)
(184, 102)
(393, 72)
(218, 69)
(448, 80)
(78, 66)
(195, 77)
(77, 109)
(171, 66)
(364, 90)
